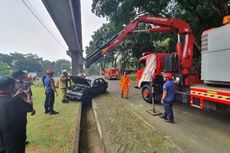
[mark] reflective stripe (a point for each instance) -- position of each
(212, 95)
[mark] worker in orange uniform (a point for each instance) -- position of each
(124, 85)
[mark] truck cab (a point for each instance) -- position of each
(150, 66)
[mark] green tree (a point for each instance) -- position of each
(5, 69)
(27, 65)
(205, 13)
(31, 63)
(47, 64)
(7, 59)
(200, 15)
(61, 64)
(99, 38)
(27, 62)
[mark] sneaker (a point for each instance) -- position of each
(46, 112)
(163, 117)
(53, 112)
(169, 121)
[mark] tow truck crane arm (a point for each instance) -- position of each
(161, 25)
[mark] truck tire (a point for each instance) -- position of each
(146, 93)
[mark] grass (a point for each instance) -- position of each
(51, 133)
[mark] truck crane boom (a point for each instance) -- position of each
(161, 25)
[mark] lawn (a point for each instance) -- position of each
(51, 133)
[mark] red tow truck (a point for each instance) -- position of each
(210, 89)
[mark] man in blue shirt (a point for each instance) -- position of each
(168, 97)
(50, 91)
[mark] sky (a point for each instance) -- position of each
(21, 32)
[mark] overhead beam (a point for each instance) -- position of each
(66, 15)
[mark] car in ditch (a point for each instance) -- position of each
(84, 88)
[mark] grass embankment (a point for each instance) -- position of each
(51, 133)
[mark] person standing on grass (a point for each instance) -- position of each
(13, 111)
(22, 84)
(50, 91)
(64, 85)
(168, 97)
(124, 85)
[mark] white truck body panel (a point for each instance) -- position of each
(215, 62)
(149, 70)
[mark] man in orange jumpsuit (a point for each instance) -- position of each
(124, 85)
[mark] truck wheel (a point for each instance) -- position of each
(146, 93)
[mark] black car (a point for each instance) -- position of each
(84, 88)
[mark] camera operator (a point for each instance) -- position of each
(21, 85)
(13, 110)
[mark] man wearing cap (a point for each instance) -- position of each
(50, 91)
(64, 85)
(168, 97)
(13, 110)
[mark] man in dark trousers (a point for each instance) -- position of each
(13, 110)
(21, 83)
(50, 91)
(168, 97)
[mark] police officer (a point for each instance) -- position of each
(64, 85)
(13, 110)
(168, 97)
(50, 91)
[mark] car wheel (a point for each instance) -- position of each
(146, 93)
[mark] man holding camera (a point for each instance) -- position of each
(13, 111)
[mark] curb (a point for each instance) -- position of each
(98, 127)
(77, 135)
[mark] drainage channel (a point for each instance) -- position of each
(89, 137)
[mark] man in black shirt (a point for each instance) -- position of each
(13, 112)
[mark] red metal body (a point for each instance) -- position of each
(202, 93)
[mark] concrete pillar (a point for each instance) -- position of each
(77, 62)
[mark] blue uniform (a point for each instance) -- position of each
(169, 87)
(49, 101)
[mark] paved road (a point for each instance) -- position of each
(194, 131)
